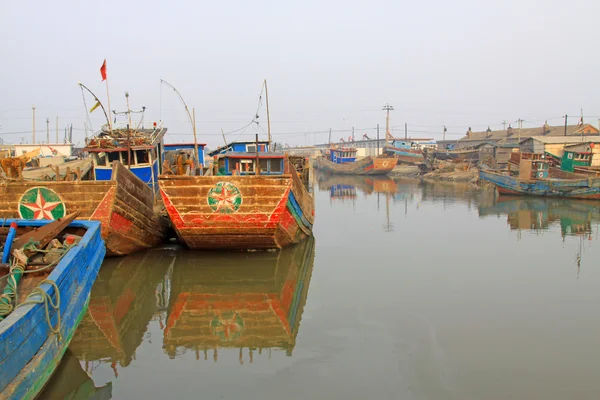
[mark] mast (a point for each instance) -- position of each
(268, 116)
(192, 120)
(99, 102)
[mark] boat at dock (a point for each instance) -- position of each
(259, 203)
(458, 155)
(535, 179)
(343, 161)
(405, 151)
(216, 303)
(50, 298)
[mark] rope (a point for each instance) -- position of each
(46, 299)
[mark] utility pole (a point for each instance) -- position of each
(329, 137)
(57, 130)
(444, 134)
(47, 130)
(520, 126)
(387, 108)
(566, 116)
(504, 125)
(352, 134)
(378, 139)
(33, 130)
(405, 131)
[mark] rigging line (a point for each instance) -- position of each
(87, 114)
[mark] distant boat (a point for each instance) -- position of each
(457, 155)
(30, 350)
(405, 151)
(343, 161)
(534, 179)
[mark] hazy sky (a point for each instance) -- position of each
(328, 64)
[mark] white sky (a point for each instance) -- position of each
(329, 64)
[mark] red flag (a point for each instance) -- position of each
(103, 70)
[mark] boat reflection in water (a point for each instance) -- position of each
(237, 300)
(70, 381)
(124, 299)
(345, 187)
(575, 217)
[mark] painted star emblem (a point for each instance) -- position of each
(42, 209)
(225, 199)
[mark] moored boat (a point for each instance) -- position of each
(405, 151)
(534, 180)
(260, 204)
(123, 204)
(457, 155)
(343, 161)
(35, 335)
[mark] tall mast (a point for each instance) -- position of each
(268, 117)
(192, 120)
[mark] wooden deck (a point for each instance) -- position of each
(238, 212)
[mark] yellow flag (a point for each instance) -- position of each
(95, 106)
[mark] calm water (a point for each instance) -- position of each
(407, 291)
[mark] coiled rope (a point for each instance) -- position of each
(44, 298)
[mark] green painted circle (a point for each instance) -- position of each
(224, 198)
(41, 203)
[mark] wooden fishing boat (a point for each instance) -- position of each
(343, 161)
(237, 301)
(240, 212)
(123, 204)
(35, 335)
(404, 151)
(122, 303)
(457, 155)
(534, 180)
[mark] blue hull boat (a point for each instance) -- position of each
(31, 346)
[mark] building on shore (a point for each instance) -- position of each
(512, 135)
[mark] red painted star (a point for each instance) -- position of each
(224, 199)
(42, 209)
(229, 326)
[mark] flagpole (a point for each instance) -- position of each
(108, 101)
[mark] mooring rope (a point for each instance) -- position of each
(46, 299)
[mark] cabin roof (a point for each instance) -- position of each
(176, 146)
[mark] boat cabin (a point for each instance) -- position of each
(342, 192)
(249, 147)
(342, 155)
(141, 151)
(404, 144)
(186, 164)
(532, 169)
(572, 159)
(244, 163)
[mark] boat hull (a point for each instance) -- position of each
(238, 212)
(123, 205)
(29, 351)
(569, 188)
(364, 166)
(408, 156)
(457, 155)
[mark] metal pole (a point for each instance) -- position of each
(405, 131)
(566, 116)
(268, 115)
(56, 129)
(47, 130)
(257, 159)
(33, 131)
(195, 139)
(377, 139)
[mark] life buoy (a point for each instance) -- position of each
(540, 174)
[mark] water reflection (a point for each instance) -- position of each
(123, 301)
(70, 381)
(251, 301)
(345, 187)
(575, 217)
